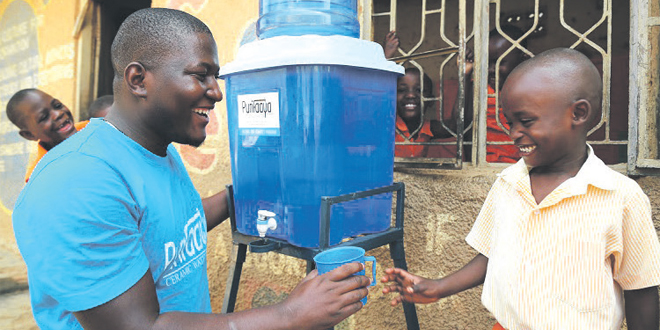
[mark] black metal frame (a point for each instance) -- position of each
(392, 236)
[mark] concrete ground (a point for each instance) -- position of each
(15, 311)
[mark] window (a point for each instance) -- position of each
(96, 27)
(436, 35)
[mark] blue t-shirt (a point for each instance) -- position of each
(98, 211)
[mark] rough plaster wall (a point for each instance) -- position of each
(440, 208)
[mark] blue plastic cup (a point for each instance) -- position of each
(334, 258)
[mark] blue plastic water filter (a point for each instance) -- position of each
(301, 17)
(298, 132)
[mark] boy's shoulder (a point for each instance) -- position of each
(597, 173)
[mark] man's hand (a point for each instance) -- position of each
(322, 301)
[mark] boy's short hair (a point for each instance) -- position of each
(15, 116)
(151, 34)
(100, 104)
(573, 67)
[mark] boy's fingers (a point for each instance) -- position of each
(394, 288)
(396, 301)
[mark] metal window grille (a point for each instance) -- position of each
(435, 35)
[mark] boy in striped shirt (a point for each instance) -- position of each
(563, 240)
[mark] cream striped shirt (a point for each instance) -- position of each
(563, 263)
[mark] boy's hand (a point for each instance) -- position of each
(391, 44)
(411, 288)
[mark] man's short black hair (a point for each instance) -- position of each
(13, 114)
(151, 34)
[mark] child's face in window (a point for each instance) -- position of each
(409, 96)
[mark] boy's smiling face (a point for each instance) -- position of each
(45, 119)
(409, 96)
(539, 114)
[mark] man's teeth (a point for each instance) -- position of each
(203, 112)
(527, 149)
(410, 106)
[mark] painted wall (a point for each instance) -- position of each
(38, 51)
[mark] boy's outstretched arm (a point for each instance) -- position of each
(642, 311)
(417, 289)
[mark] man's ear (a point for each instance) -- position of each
(27, 135)
(582, 112)
(134, 76)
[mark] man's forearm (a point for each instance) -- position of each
(216, 209)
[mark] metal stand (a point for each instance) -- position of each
(392, 236)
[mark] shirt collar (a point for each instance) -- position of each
(593, 172)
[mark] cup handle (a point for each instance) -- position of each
(373, 268)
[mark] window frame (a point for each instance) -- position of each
(639, 112)
(640, 135)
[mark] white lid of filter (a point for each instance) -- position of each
(309, 50)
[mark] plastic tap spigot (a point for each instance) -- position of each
(265, 221)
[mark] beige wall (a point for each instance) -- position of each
(38, 51)
(440, 205)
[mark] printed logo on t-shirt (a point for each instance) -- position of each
(184, 258)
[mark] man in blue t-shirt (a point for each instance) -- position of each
(110, 225)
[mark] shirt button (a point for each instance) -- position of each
(537, 212)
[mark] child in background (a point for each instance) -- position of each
(42, 118)
(497, 45)
(563, 240)
(100, 107)
(410, 123)
(410, 111)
